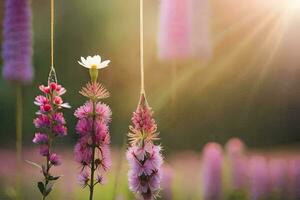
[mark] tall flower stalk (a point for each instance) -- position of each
(17, 42)
(143, 155)
(92, 149)
(17, 59)
(50, 124)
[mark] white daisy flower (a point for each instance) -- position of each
(93, 62)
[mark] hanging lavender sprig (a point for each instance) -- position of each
(143, 155)
(92, 149)
(51, 124)
(17, 42)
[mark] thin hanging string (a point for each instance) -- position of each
(52, 73)
(142, 45)
(52, 33)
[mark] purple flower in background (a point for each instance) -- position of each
(235, 149)
(184, 29)
(294, 178)
(202, 46)
(167, 180)
(212, 171)
(259, 179)
(17, 44)
(174, 39)
(278, 176)
(144, 157)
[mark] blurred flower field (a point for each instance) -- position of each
(150, 100)
(272, 175)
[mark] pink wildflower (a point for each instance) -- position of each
(55, 159)
(42, 121)
(40, 138)
(50, 118)
(143, 156)
(89, 136)
(92, 149)
(83, 178)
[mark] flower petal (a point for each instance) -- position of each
(103, 64)
(83, 59)
(86, 66)
(65, 105)
(97, 59)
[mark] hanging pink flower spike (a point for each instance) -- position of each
(143, 155)
(50, 123)
(92, 149)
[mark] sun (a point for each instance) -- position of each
(294, 4)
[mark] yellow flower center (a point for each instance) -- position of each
(93, 66)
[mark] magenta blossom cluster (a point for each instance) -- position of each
(143, 155)
(100, 139)
(92, 149)
(50, 123)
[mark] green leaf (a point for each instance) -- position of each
(48, 188)
(41, 187)
(53, 178)
(33, 164)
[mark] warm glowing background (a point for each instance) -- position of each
(248, 88)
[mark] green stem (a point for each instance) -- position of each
(19, 119)
(19, 123)
(48, 166)
(93, 153)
